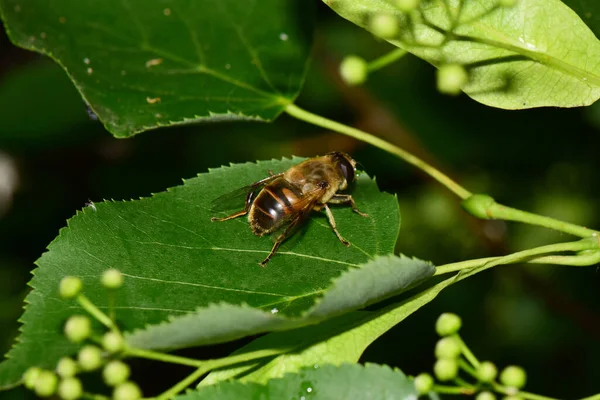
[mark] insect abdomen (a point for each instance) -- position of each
(273, 205)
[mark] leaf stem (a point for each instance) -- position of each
(104, 319)
(594, 397)
(386, 59)
(583, 259)
(157, 356)
(363, 136)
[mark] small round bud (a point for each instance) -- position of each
(70, 389)
(353, 70)
(89, 358)
(78, 328)
(69, 287)
(485, 396)
(507, 3)
(113, 342)
(384, 25)
(407, 5)
(66, 367)
(30, 376)
(445, 369)
(477, 205)
(448, 324)
(423, 383)
(127, 391)
(45, 384)
(112, 279)
(447, 347)
(451, 78)
(513, 376)
(115, 373)
(487, 372)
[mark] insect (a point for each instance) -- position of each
(283, 201)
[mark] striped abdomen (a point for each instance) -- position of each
(273, 206)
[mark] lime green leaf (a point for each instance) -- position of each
(141, 65)
(356, 288)
(537, 53)
(336, 341)
(175, 260)
(322, 383)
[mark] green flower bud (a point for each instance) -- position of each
(507, 3)
(445, 369)
(45, 384)
(477, 205)
(448, 324)
(513, 376)
(353, 70)
(113, 342)
(78, 328)
(451, 78)
(30, 377)
(127, 391)
(384, 25)
(485, 396)
(66, 367)
(447, 347)
(89, 358)
(487, 372)
(70, 389)
(112, 279)
(423, 383)
(407, 5)
(115, 373)
(69, 287)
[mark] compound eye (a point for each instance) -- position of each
(347, 169)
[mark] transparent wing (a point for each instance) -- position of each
(237, 197)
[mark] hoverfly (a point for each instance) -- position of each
(284, 200)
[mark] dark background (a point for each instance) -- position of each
(54, 158)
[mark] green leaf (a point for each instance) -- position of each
(141, 65)
(538, 53)
(176, 260)
(356, 288)
(322, 383)
(336, 341)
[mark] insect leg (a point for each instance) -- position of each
(333, 226)
(280, 240)
(249, 199)
(346, 199)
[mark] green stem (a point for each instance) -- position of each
(584, 259)
(467, 352)
(467, 368)
(96, 313)
(209, 365)
(363, 136)
(157, 356)
(386, 59)
(525, 395)
(451, 390)
(580, 245)
(485, 207)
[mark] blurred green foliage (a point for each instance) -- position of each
(543, 160)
